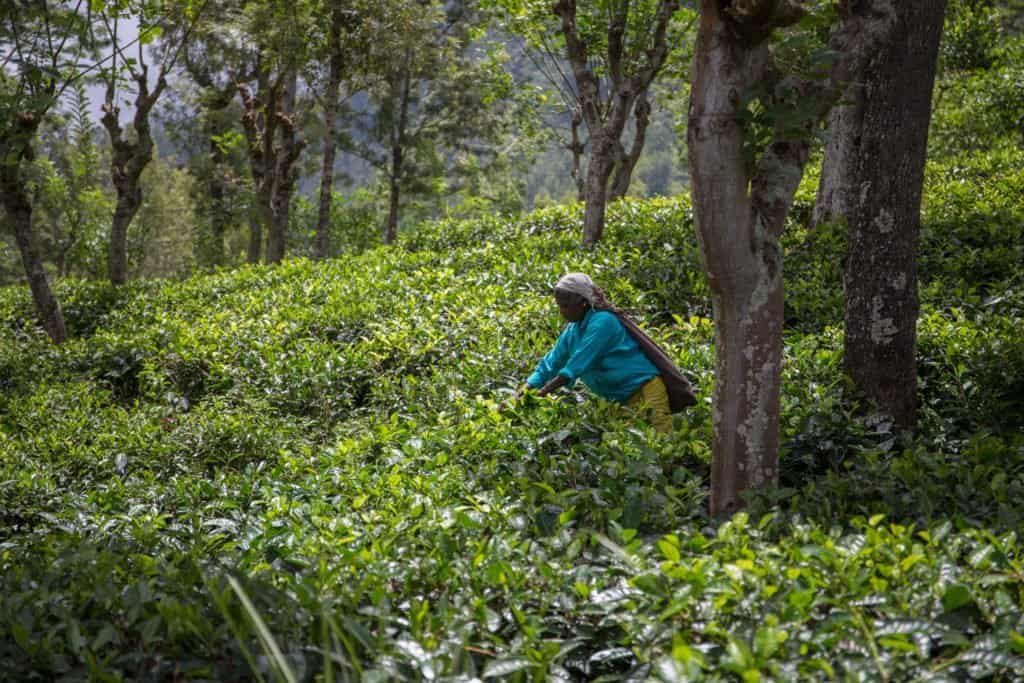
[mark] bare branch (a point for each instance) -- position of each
(92, 67)
(67, 34)
(17, 42)
(167, 65)
(568, 98)
(554, 58)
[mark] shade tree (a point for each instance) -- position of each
(766, 73)
(438, 98)
(872, 180)
(600, 59)
(277, 32)
(45, 47)
(347, 48)
(132, 145)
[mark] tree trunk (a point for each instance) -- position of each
(744, 266)
(576, 148)
(599, 169)
(217, 184)
(740, 217)
(128, 160)
(321, 247)
(213, 103)
(284, 172)
(259, 122)
(624, 171)
(129, 199)
(403, 81)
(872, 177)
(218, 212)
(391, 227)
(19, 213)
(255, 248)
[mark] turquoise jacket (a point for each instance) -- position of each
(600, 351)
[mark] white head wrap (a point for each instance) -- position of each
(578, 283)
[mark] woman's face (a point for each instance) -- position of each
(572, 306)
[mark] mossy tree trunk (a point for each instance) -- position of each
(872, 178)
(740, 210)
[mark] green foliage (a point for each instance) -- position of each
(981, 109)
(297, 472)
(300, 471)
(971, 35)
(787, 104)
(440, 105)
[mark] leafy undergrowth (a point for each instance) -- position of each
(300, 472)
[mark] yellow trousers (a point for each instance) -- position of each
(651, 401)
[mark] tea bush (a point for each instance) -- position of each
(299, 472)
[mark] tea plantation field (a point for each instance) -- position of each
(299, 472)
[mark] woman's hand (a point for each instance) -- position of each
(556, 383)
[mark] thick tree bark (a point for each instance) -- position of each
(872, 177)
(739, 218)
(19, 212)
(744, 265)
(129, 159)
(624, 170)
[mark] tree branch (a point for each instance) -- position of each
(586, 81)
(552, 55)
(568, 98)
(618, 16)
(659, 51)
(780, 167)
(754, 20)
